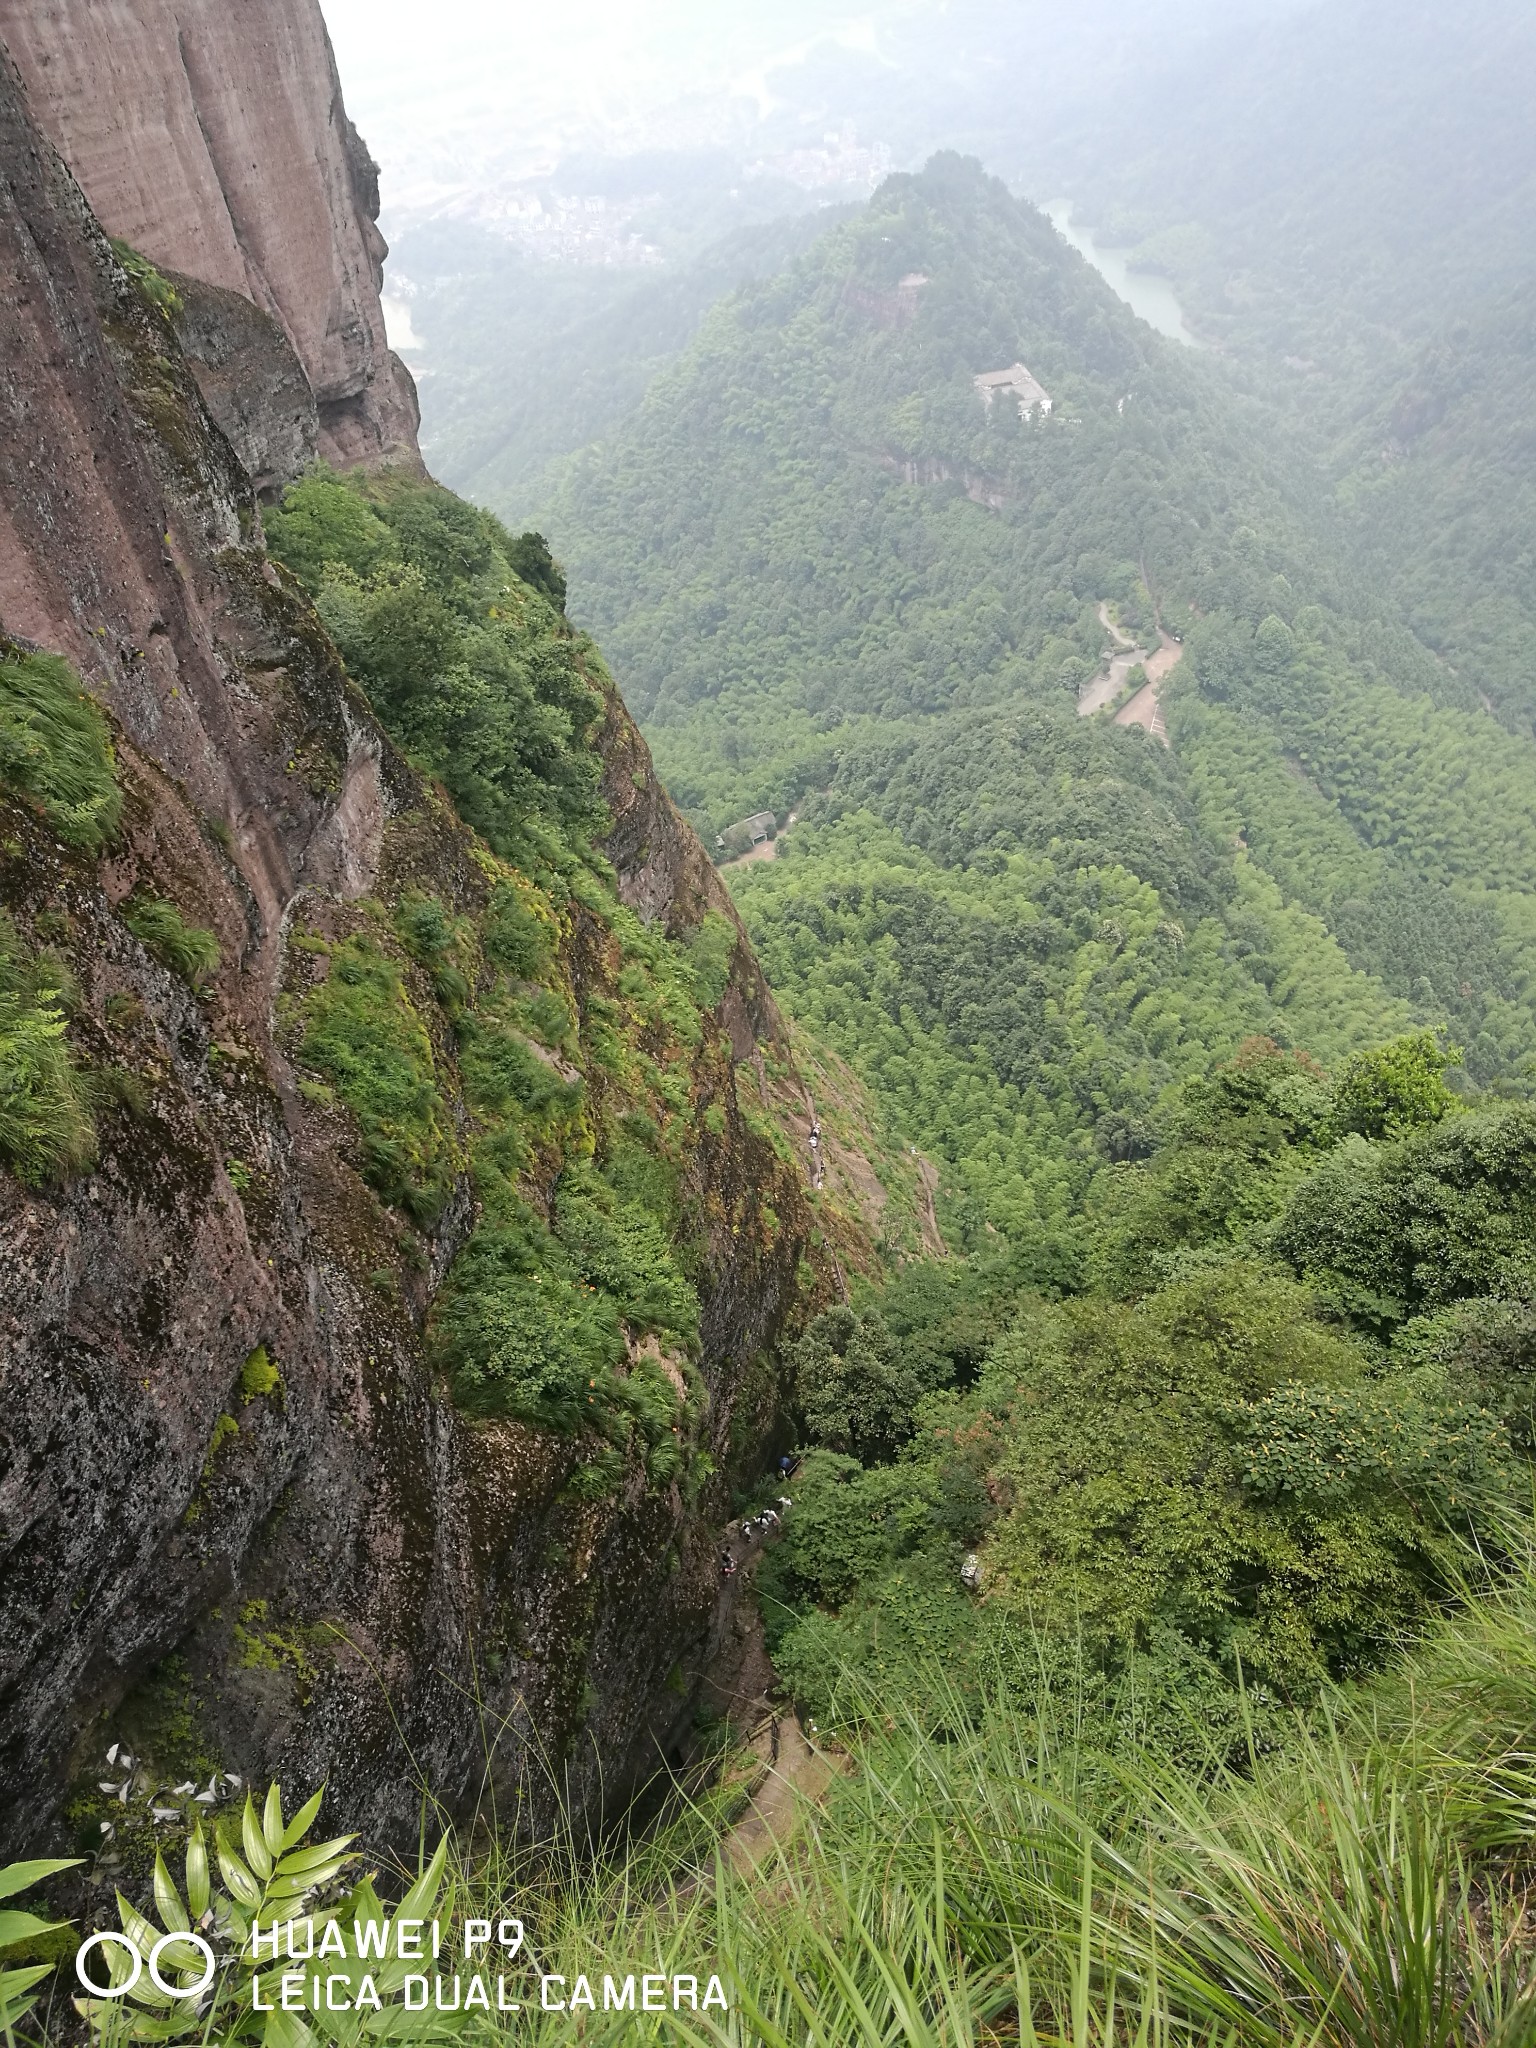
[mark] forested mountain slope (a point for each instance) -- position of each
(834, 582)
(585, 341)
(1439, 489)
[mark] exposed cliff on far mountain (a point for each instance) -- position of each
(214, 139)
(289, 1478)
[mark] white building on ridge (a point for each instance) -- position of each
(1020, 384)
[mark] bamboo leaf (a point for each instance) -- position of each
(272, 1820)
(240, 1881)
(306, 1859)
(17, 1926)
(14, 1984)
(257, 1855)
(199, 1891)
(301, 1823)
(173, 1914)
(18, 1877)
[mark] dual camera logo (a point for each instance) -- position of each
(92, 1942)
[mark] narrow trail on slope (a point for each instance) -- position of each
(1110, 627)
(933, 1237)
(783, 1769)
(794, 1773)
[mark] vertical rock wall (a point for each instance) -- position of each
(211, 135)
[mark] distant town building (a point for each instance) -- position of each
(747, 832)
(1017, 383)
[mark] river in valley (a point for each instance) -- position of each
(1150, 296)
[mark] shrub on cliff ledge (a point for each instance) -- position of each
(55, 751)
(454, 628)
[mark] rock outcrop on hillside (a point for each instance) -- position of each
(325, 1570)
(251, 380)
(213, 138)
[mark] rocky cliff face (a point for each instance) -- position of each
(321, 1568)
(213, 138)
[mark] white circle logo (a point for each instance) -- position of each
(94, 1941)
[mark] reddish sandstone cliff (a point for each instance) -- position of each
(213, 137)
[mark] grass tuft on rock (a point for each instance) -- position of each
(55, 748)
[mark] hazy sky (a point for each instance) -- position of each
(463, 99)
(441, 91)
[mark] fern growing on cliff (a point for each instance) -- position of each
(187, 949)
(45, 1124)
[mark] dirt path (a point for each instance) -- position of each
(1106, 686)
(794, 1772)
(1124, 639)
(773, 1759)
(1145, 708)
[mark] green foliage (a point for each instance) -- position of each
(502, 1072)
(187, 949)
(1023, 1860)
(22, 1934)
(513, 936)
(572, 1284)
(157, 290)
(530, 558)
(271, 1876)
(468, 661)
(1392, 1231)
(533, 1319)
(1027, 1017)
(1395, 1089)
(259, 1377)
(436, 940)
(1121, 1454)
(836, 584)
(711, 947)
(322, 521)
(851, 1388)
(45, 1121)
(1325, 1443)
(618, 1247)
(362, 1030)
(55, 748)
(1228, 1479)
